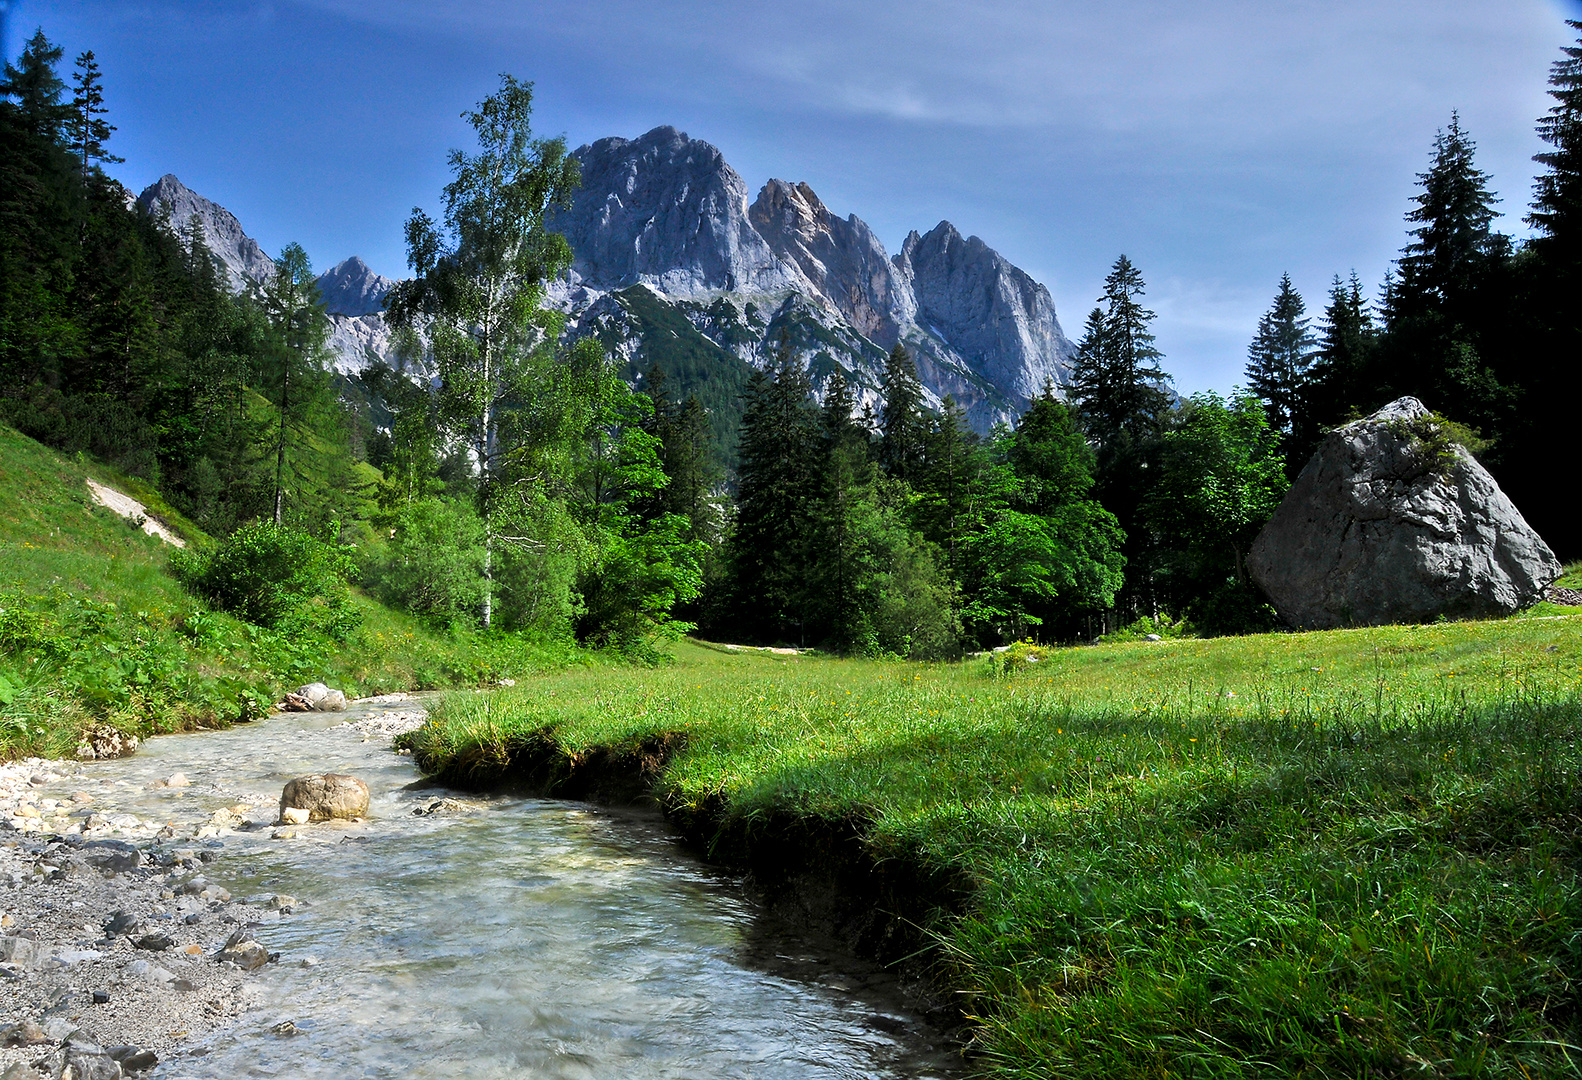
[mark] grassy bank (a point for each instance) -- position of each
(1339, 854)
(93, 628)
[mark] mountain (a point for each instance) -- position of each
(672, 266)
(668, 214)
(237, 254)
(353, 293)
(352, 288)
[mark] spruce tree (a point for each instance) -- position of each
(33, 82)
(903, 428)
(1279, 357)
(1453, 217)
(296, 310)
(1341, 362)
(1116, 380)
(87, 130)
(770, 550)
(1557, 200)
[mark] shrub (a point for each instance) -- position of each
(277, 577)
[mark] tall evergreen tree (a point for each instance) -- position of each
(37, 88)
(1120, 394)
(296, 309)
(1117, 382)
(1278, 360)
(1557, 198)
(1338, 383)
(903, 427)
(1552, 277)
(87, 130)
(1453, 218)
(777, 489)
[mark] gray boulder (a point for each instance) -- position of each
(320, 697)
(333, 795)
(1392, 522)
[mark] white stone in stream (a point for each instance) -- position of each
(178, 780)
(293, 815)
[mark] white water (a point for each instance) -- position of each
(532, 938)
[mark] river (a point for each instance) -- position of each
(520, 938)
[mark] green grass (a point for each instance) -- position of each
(93, 628)
(1341, 854)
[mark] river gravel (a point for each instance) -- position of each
(110, 933)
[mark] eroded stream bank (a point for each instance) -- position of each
(448, 935)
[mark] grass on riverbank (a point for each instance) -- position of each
(1339, 854)
(93, 629)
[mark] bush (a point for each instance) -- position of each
(277, 577)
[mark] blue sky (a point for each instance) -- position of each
(1217, 144)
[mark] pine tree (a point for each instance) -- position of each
(296, 310)
(1279, 357)
(1341, 361)
(1557, 200)
(1453, 218)
(770, 551)
(86, 130)
(32, 81)
(1116, 379)
(903, 428)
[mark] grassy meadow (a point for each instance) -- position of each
(94, 629)
(1342, 854)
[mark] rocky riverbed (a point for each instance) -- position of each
(117, 950)
(148, 930)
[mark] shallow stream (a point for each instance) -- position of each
(521, 938)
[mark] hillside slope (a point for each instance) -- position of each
(95, 630)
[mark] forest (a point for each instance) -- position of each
(529, 489)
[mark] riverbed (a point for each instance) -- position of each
(451, 935)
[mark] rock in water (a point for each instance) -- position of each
(102, 741)
(1392, 522)
(333, 795)
(319, 697)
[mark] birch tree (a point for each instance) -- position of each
(474, 305)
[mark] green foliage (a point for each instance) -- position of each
(1220, 480)
(432, 564)
(277, 577)
(1332, 854)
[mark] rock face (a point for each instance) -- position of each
(666, 211)
(1390, 522)
(237, 254)
(999, 319)
(351, 287)
(723, 284)
(333, 795)
(840, 260)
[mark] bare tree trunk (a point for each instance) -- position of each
(280, 447)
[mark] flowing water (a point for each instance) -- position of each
(527, 938)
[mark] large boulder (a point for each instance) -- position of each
(1393, 522)
(333, 795)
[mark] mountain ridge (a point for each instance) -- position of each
(784, 274)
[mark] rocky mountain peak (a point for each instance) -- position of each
(352, 288)
(997, 317)
(841, 260)
(667, 211)
(243, 261)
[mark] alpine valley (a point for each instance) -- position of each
(674, 267)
